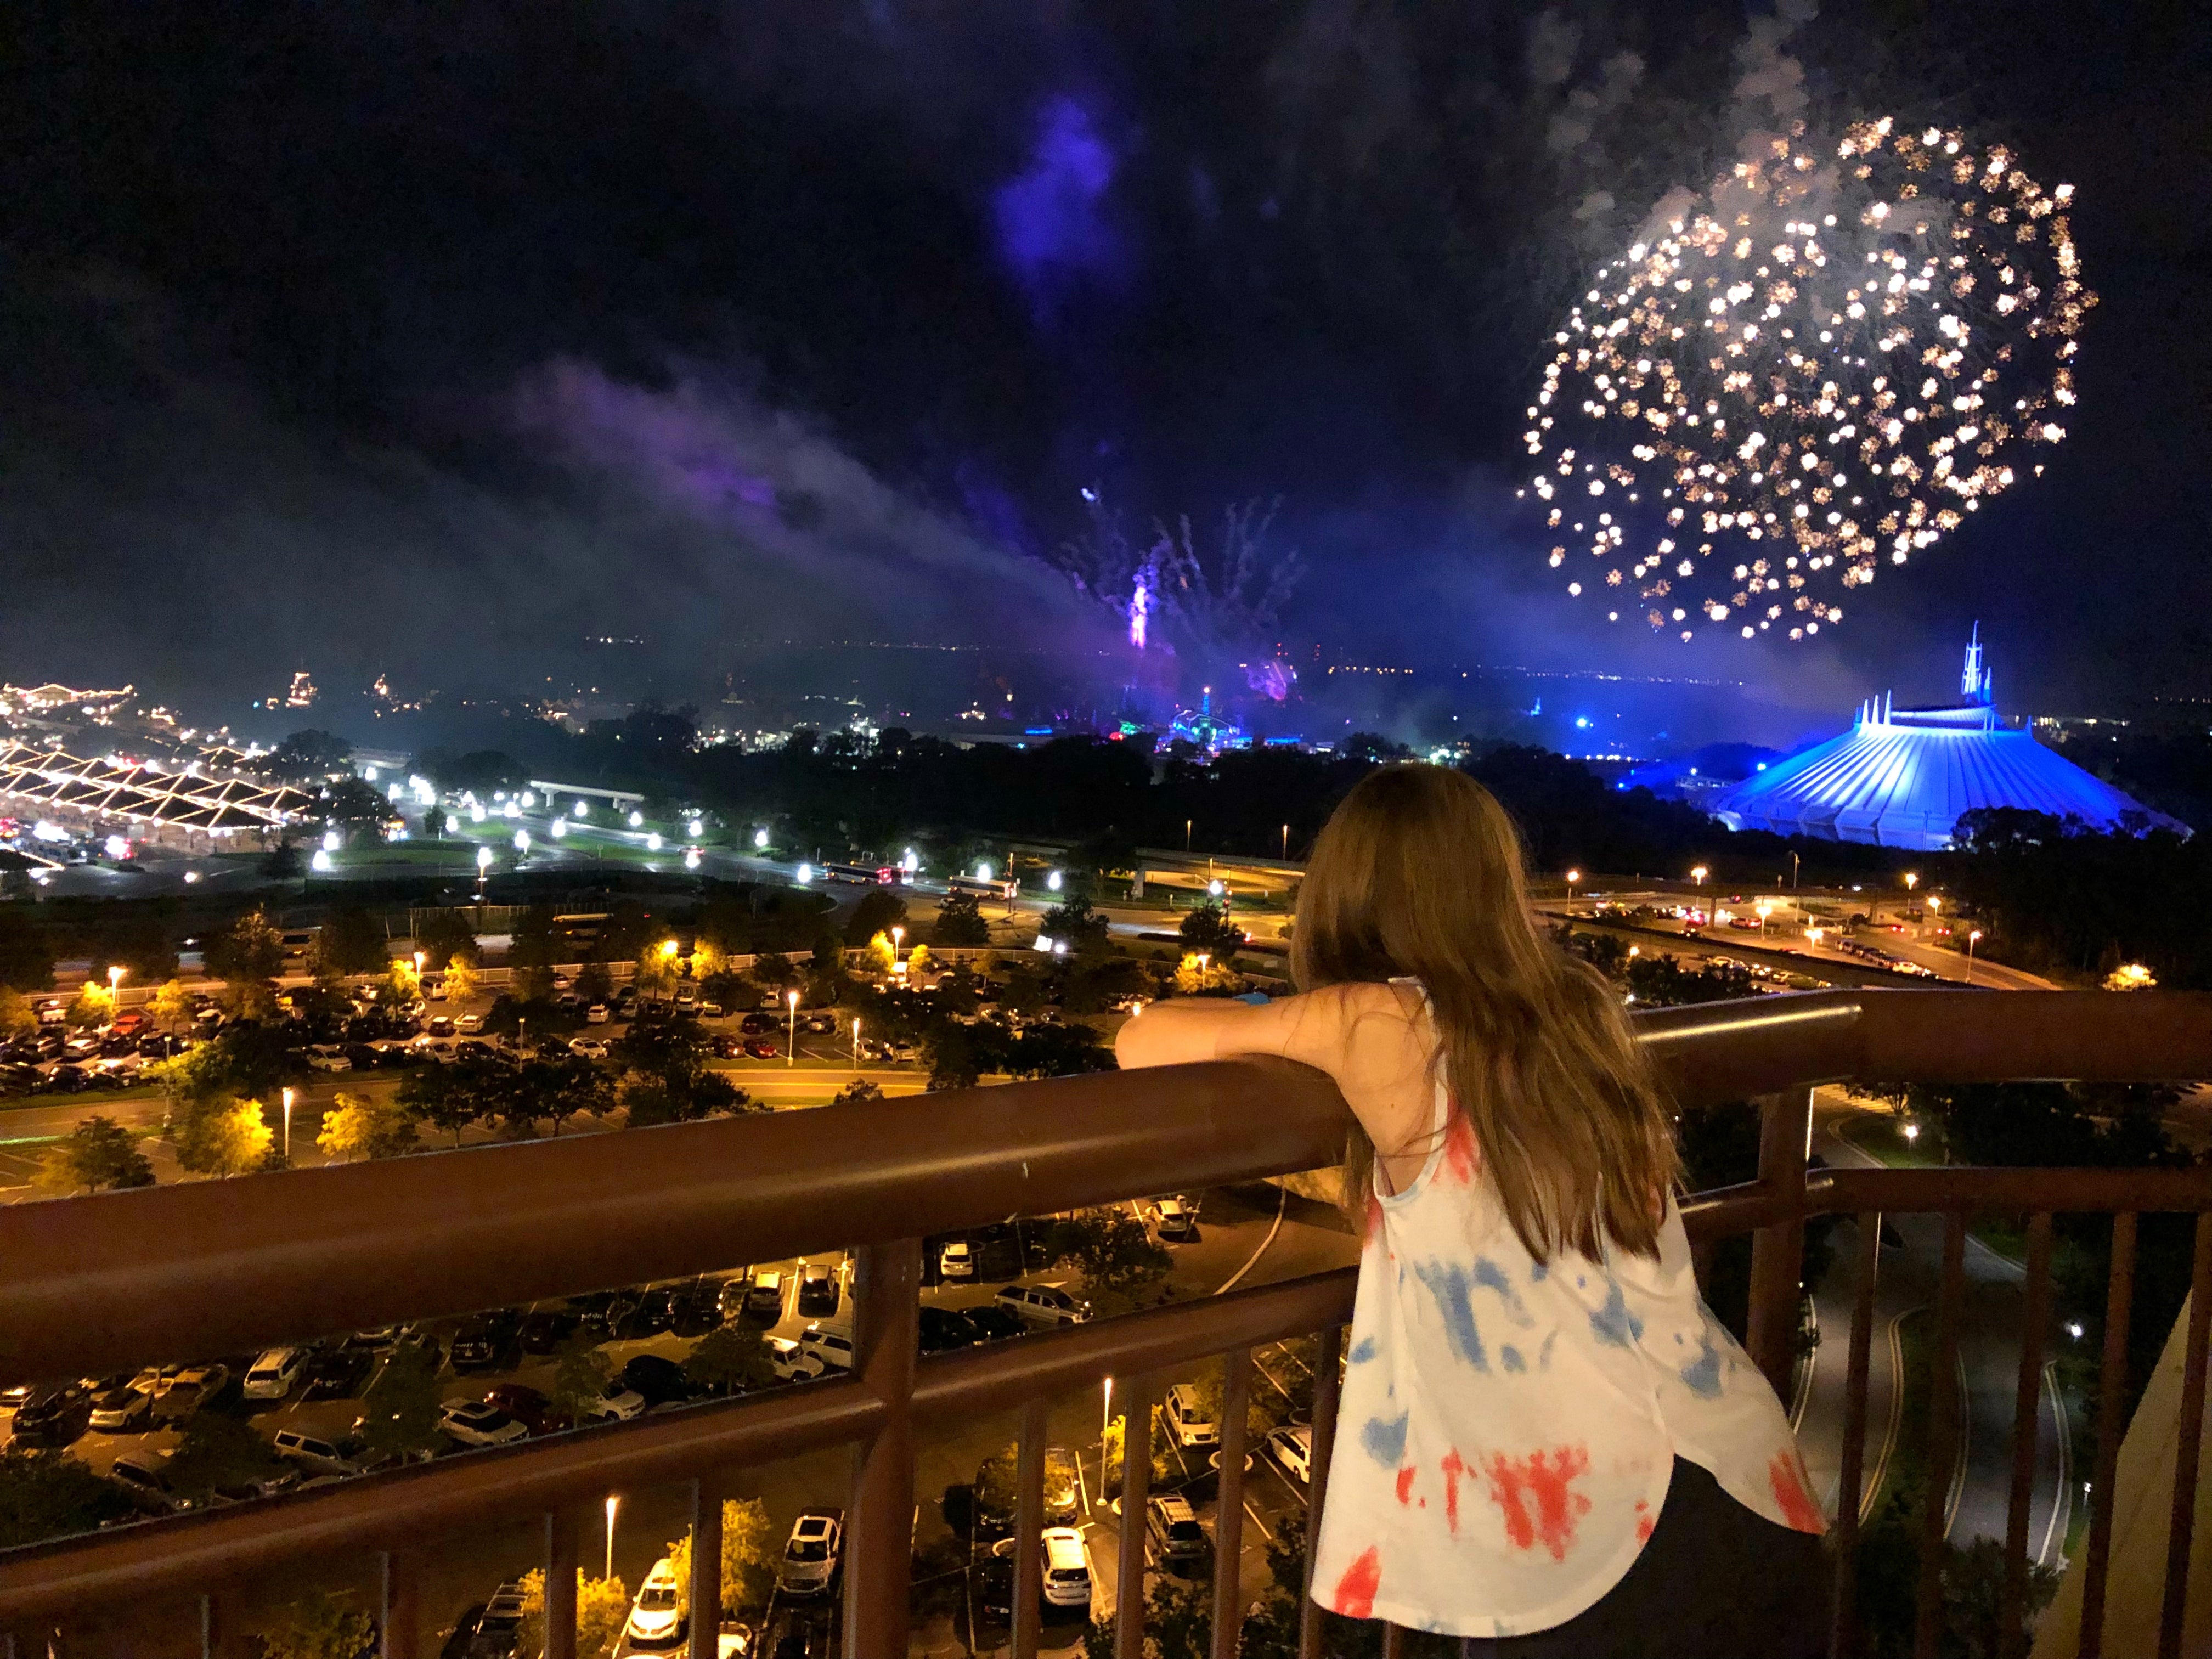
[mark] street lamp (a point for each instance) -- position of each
(115, 982)
(1698, 875)
(1973, 936)
(1186, 834)
(613, 1504)
(1911, 879)
(856, 1045)
(483, 868)
(1573, 876)
(1812, 936)
(1911, 1133)
(287, 1126)
(791, 1030)
(1287, 843)
(898, 938)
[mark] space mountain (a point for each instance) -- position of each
(1901, 777)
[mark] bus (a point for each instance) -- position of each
(870, 875)
(982, 888)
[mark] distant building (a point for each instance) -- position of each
(1902, 777)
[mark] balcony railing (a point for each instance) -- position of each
(107, 1283)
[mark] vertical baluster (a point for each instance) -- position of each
(2187, 1447)
(1029, 1520)
(563, 1546)
(1942, 1441)
(396, 1611)
(1777, 1251)
(210, 1627)
(1143, 1394)
(1328, 1380)
(2027, 1419)
(1843, 1640)
(2111, 1425)
(1229, 1506)
(880, 1536)
(706, 1587)
(1393, 1642)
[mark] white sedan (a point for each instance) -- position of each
(477, 1423)
(956, 1261)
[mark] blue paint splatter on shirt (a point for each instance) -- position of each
(1544, 1354)
(1489, 1276)
(1511, 1356)
(1447, 1281)
(1539, 1271)
(1613, 1322)
(1385, 1441)
(1702, 1376)
(1365, 1352)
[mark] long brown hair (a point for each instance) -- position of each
(1419, 874)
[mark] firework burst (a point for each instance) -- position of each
(1820, 366)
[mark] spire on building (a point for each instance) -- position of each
(1974, 681)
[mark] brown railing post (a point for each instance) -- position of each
(1943, 1442)
(563, 1547)
(396, 1613)
(1228, 1505)
(1329, 1380)
(706, 1587)
(2112, 1426)
(1029, 1522)
(2187, 1445)
(1137, 1403)
(879, 1533)
(210, 1628)
(1843, 1638)
(2026, 1420)
(1777, 1252)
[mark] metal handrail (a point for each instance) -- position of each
(105, 1283)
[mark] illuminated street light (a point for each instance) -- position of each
(856, 1044)
(522, 841)
(320, 864)
(1912, 1132)
(287, 1126)
(791, 1030)
(1051, 882)
(912, 862)
(1971, 939)
(332, 840)
(1911, 879)
(1699, 875)
(693, 828)
(560, 828)
(613, 1504)
(1216, 889)
(1573, 876)
(690, 857)
(115, 981)
(983, 871)
(898, 938)
(636, 819)
(668, 947)
(803, 874)
(760, 838)
(582, 810)
(652, 841)
(483, 857)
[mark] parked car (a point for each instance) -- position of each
(274, 1374)
(659, 1380)
(818, 1294)
(993, 1322)
(52, 1414)
(495, 1631)
(544, 1330)
(1291, 1449)
(1173, 1538)
(587, 1048)
(327, 1057)
(318, 1453)
(830, 1345)
(811, 1557)
(339, 1373)
(695, 1308)
(598, 1014)
(1066, 1569)
(790, 1363)
(1178, 1220)
(121, 1410)
(477, 1423)
(656, 1622)
(469, 1025)
(957, 1260)
(489, 1341)
(764, 1301)
(527, 1406)
(761, 1048)
(943, 1329)
(440, 1026)
(757, 1025)
(144, 1477)
(617, 1403)
(1043, 1305)
(189, 1388)
(1189, 1424)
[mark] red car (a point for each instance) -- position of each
(527, 1406)
(760, 1048)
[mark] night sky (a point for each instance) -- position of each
(435, 339)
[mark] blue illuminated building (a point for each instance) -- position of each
(1901, 777)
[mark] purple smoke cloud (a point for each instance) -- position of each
(1051, 228)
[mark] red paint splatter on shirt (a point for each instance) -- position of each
(1544, 1479)
(1355, 1591)
(1406, 1486)
(1644, 1524)
(1462, 1160)
(1785, 1475)
(1453, 1469)
(1374, 1227)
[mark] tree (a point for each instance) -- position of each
(773, 972)
(654, 977)
(441, 935)
(434, 822)
(919, 962)
(320, 1627)
(308, 755)
(399, 1410)
(365, 1126)
(882, 956)
(1103, 852)
(17, 1018)
(217, 1449)
(1073, 1050)
(960, 921)
(1201, 976)
(94, 1005)
(647, 1101)
(244, 1061)
(729, 1359)
(251, 950)
(565, 1087)
(462, 983)
(878, 911)
(99, 1155)
(748, 1557)
(449, 1098)
(602, 1609)
(222, 1138)
(960, 1056)
(1207, 931)
(1118, 1259)
(351, 942)
(172, 1005)
(1073, 923)
(581, 1372)
(26, 955)
(48, 1494)
(594, 983)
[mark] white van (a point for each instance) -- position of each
(273, 1375)
(1189, 1423)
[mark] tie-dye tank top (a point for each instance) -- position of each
(1507, 1428)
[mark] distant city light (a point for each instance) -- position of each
(529, 799)
(332, 840)
(911, 862)
(652, 841)
(2073, 1330)
(483, 857)
(692, 829)
(475, 812)
(117, 848)
(982, 872)
(1215, 888)
(320, 864)
(560, 828)
(690, 857)
(581, 810)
